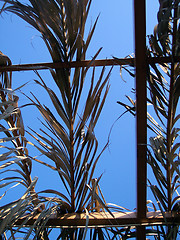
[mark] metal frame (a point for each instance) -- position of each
(138, 219)
(85, 63)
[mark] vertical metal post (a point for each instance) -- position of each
(141, 110)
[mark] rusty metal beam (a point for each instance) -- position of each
(141, 110)
(102, 219)
(73, 64)
(162, 60)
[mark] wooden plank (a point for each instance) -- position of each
(101, 219)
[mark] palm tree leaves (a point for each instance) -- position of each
(56, 144)
(67, 136)
(16, 214)
(60, 23)
(68, 139)
(163, 155)
(10, 213)
(13, 142)
(162, 100)
(160, 40)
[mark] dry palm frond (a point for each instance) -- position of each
(24, 209)
(68, 139)
(12, 131)
(164, 99)
(15, 164)
(56, 144)
(163, 118)
(61, 25)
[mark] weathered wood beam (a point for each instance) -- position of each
(101, 219)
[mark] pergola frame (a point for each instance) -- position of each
(141, 218)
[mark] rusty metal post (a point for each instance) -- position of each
(141, 108)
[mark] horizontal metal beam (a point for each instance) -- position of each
(101, 219)
(75, 64)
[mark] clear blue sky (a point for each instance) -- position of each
(114, 33)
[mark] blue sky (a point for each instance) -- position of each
(115, 34)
